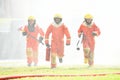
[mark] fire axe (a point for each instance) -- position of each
(79, 42)
(20, 29)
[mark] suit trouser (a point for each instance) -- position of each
(88, 56)
(32, 56)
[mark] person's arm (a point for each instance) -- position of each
(67, 33)
(24, 31)
(96, 31)
(80, 31)
(41, 35)
(49, 30)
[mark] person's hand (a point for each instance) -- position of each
(67, 44)
(40, 39)
(24, 33)
(79, 35)
(94, 34)
(47, 45)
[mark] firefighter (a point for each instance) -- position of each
(89, 30)
(32, 32)
(58, 30)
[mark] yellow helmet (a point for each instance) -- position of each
(31, 18)
(88, 16)
(58, 16)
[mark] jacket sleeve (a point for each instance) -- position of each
(49, 30)
(23, 29)
(67, 33)
(96, 30)
(41, 32)
(80, 30)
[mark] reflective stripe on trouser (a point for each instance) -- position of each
(32, 56)
(91, 58)
(53, 60)
(86, 54)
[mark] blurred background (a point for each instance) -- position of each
(14, 14)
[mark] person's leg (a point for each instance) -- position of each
(91, 59)
(29, 54)
(35, 58)
(60, 60)
(60, 56)
(53, 60)
(86, 54)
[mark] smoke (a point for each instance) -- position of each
(14, 14)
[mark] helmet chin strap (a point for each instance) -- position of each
(31, 27)
(57, 21)
(88, 22)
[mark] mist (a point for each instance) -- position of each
(14, 14)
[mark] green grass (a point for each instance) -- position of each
(11, 71)
(59, 70)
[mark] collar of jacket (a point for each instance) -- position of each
(57, 25)
(85, 24)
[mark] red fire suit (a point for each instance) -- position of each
(88, 40)
(32, 44)
(57, 40)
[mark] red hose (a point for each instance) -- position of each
(53, 75)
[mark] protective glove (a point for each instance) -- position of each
(94, 34)
(79, 35)
(67, 44)
(40, 39)
(47, 45)
(24, 33)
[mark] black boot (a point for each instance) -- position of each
(29, 65)
(60, 60)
